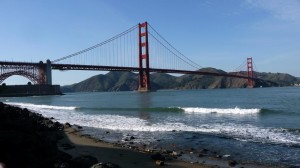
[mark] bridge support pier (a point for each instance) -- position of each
(144, 73)
(41, 72)
(45, 73)
(48, 72)
(250, 74)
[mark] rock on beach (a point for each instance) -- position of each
(28, 139)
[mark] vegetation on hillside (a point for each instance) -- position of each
(128, 81)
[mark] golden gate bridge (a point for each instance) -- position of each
(139, 49)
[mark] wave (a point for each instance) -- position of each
(235, 110)
(182, 109)
(242, 132)
(152, 109)
(266, 112)
(41, 106)
(199, 110)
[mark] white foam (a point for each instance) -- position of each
(122, 123)
(36, 106)
(235, 110)
(242, 132)
(248, 132)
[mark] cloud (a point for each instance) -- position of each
(287, 10)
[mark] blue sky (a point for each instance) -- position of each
(213, 33)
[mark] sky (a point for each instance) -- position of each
(212, 33)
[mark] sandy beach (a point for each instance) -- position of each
(127, 156)
(107, 152)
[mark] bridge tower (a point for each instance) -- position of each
(41, 73)
(44, 73)
(250, 72)
(48, 72)
(144, 73)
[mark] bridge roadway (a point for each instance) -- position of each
(136, 69)
(131, 69)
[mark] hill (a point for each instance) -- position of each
(128, 81)
(112, 81)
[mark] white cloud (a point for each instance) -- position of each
(288, 10)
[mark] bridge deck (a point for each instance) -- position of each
(131, 69)
(136, 69)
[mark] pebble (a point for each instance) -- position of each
(204, 150)
(105, 165)
(158, 156)
(201, 155)
(232, 163)
(160, 163)
(67, 125)
(176, 153)
(218, 156)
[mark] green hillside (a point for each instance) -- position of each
(128, 81)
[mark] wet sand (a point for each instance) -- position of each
(107, 152)
(128, 156)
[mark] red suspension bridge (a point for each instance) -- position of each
(139, 49)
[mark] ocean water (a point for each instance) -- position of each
(260, 125)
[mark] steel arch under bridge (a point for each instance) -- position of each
(37, 73)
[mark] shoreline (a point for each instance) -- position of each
(71, 146)
(172, 158)
(105, 152)
(30, 140)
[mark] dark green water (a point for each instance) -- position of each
(260, 125)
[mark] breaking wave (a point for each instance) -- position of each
(235, 110)
(243, 132)
(36, 106)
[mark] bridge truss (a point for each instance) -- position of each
(38, 73)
